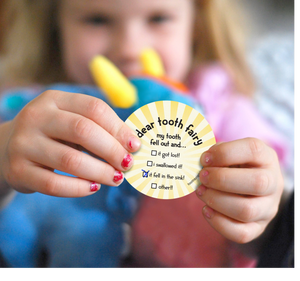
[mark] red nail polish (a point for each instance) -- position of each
(134, 144)
(127, 161)
(94, 187)
(204, 176)
(118, 176)
(207, 158)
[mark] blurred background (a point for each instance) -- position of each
(1, 23)
(270, 27)
(267, 17)
(264, 17)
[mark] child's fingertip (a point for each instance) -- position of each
(208, 212)
(94, 187)
(201, 190)
(118, 177)
(127, 161)
(134, 143)
(206, 159)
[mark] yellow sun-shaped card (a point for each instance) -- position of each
(173, 136)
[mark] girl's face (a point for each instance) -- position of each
(120, 30)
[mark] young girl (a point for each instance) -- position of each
(54, 41)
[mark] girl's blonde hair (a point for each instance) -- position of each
(31, 43)
(33, 50)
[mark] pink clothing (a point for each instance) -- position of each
(231, 115)
(173, 233)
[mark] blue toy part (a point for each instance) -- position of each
(151, 91)
(73, 232)
(12, 102)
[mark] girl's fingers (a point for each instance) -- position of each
(85, 132)
(47, 182)
(233, 230)
(238, 207)
(40, 140)
(99, 112)
(241, 186)
(246, 181)
(248, 151)
(52, 154)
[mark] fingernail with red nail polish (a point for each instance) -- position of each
(118, 176)
(203, 176)
(134, 143)
(208, 212)
(207, 158)
(201, 190)
(94, 187)
(127, 161)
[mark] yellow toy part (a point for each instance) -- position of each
(152, 64)
(120, 92)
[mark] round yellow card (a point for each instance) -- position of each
(173, 136)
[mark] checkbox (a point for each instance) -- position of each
(149, 163)
(153, 152)
(153, 185)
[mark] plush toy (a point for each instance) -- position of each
(39, 230)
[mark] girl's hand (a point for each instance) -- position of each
(51, 132)
(241, 187)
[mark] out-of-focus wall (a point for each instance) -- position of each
(271, 57)
(1, 32)
(1, 24)
(267, 17)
